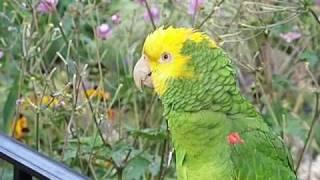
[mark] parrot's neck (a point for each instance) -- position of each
(231, 104)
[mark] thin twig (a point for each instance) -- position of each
(314, 15)
(210, 14)
(310, 133)
(314, 120)
(94, 116)
(194, 14)
(150, 14)
(86, 95)
(89, 102)
(161, 174)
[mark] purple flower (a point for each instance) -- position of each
(317, 2)
(194, 6)
(104, 31)
(47, 6)
(154, 13)
(19, 101)
(1, 54)
(116, 19)
(290, 36)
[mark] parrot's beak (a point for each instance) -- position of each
(142, 73)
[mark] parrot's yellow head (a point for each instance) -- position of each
(162, 58)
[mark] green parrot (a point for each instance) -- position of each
(216, 132)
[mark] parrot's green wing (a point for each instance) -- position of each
(261, 155)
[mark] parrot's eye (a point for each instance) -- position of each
(165, 57)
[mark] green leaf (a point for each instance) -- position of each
(123, 5)
(149, 133)
(10, 104)
(90, 140)
(310, 57)
(281, 83)
(70, 153)
(136, 168)
(120, 151)
(294, 125)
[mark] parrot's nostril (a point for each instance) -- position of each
(149, 74)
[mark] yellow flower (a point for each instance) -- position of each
(49, 101)
(95, 92)
(20, 127)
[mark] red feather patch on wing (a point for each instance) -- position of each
(234, 138)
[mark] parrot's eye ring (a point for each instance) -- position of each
(165, 57)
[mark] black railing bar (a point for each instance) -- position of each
(33, 162)
(19, 174)
(18, 165)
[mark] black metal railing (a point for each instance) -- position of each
(29, 163)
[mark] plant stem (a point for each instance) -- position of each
(37, 129)
(210, 14)
(150, 14)
(119, 172)
(315, 15)
(310, 133)
(161, 174)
